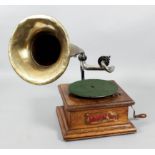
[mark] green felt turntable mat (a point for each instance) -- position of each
(93, 88)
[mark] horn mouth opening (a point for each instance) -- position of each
(39, 50)
(45, 48)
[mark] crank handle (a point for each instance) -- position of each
(140, 116)
(143, 115)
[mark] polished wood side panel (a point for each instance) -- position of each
(93, 132)
(78, 118)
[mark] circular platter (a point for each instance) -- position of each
(93, 88)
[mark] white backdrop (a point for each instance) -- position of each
(127, 33)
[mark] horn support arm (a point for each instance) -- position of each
(103, 61)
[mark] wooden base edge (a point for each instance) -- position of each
(92, 132)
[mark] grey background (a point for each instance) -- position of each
(127, 33)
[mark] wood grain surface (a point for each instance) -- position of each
(82, 118)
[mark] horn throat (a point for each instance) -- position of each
(45, 48)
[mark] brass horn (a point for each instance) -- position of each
(39, 49)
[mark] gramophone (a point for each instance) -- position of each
(40, 51)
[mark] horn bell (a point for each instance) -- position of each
(39, 50)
